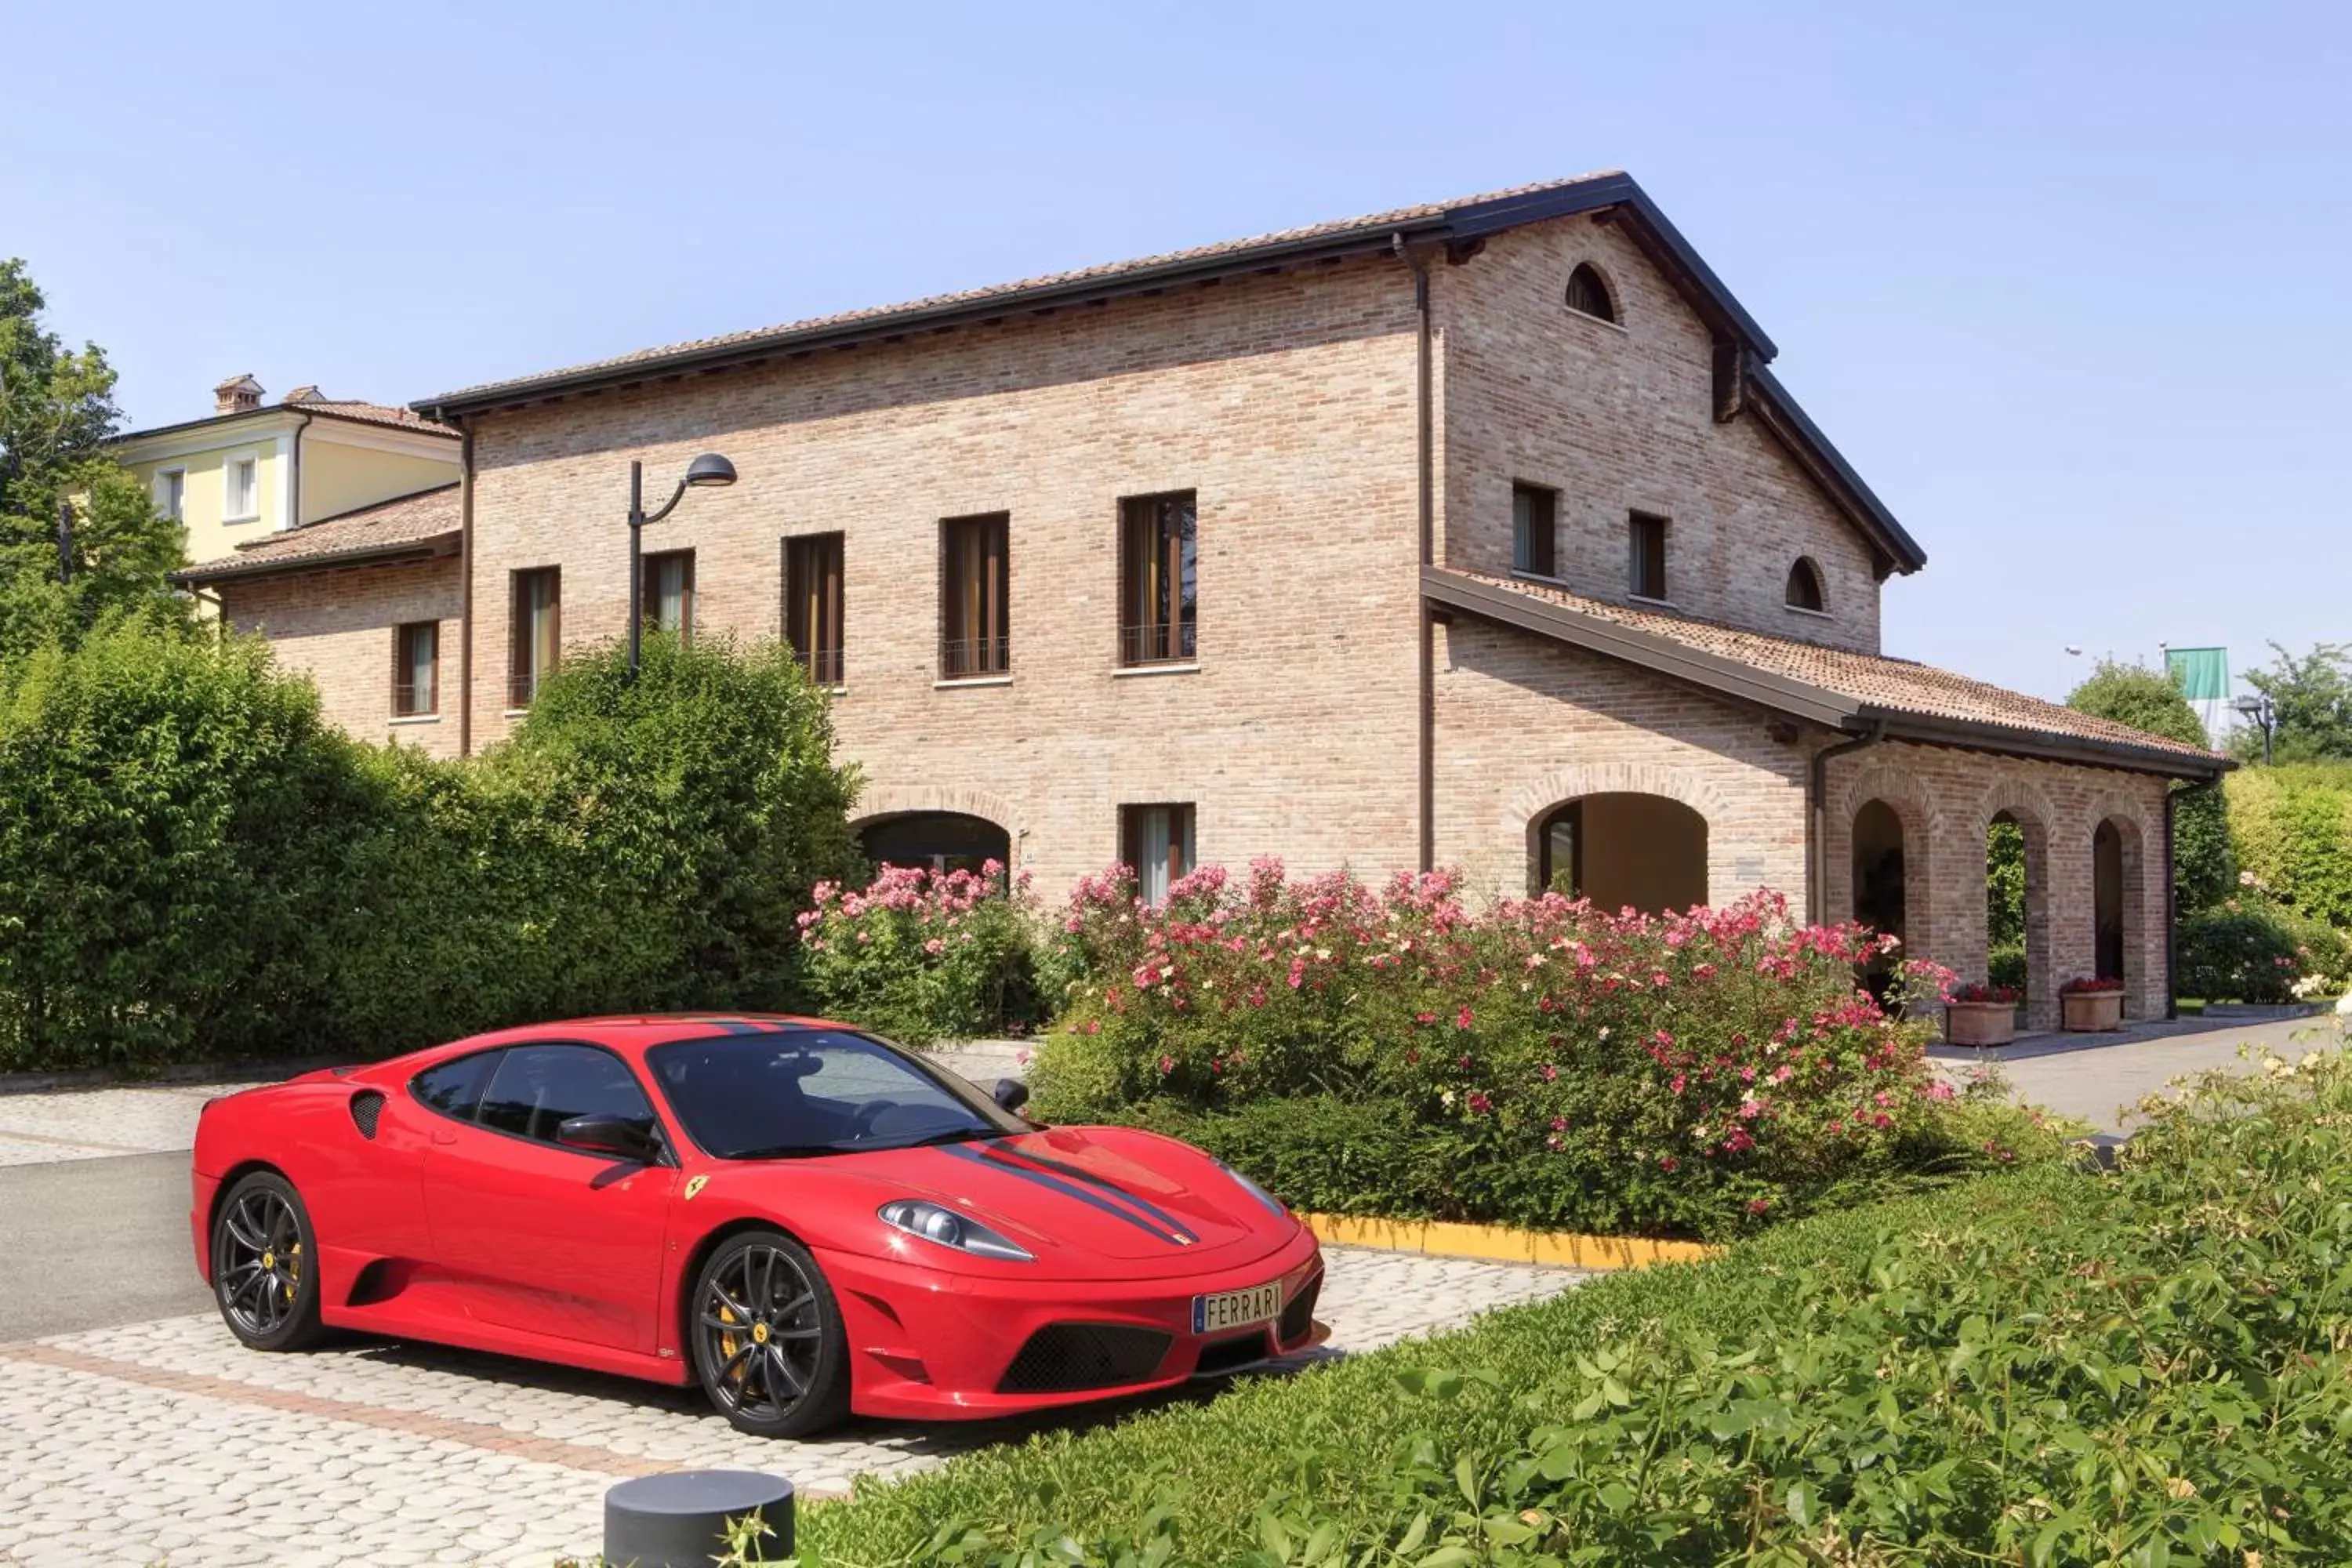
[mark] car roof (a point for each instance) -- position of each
(636, 1031)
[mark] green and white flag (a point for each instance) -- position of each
(2203, 676)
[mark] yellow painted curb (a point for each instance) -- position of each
(1558, 1248)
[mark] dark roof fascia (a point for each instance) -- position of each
(186, 424)
(1679, 661)
(1730, 678)
(1469, 221)
(430, 548)
(2014, 742)
(1835, 474)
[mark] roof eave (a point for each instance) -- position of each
(1829, 468)
(2016, 741)
(431, 548)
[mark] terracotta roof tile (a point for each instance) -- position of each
(1103, 271)
(425, 518)
(373, 413)
(1896, 685)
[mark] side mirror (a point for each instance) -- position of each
(622, 1137)
(1011, 1093)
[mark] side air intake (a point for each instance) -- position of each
(366, 1106)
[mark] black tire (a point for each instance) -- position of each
(767, 1337)
(265, 1272)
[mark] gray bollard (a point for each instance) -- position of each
(680, 1520)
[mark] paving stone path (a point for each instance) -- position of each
(92, 1124)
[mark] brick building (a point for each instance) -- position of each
(1475, 534)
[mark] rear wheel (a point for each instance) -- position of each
(767, 1337)
(264, 1270)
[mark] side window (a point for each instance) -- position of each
(537, 1089)
(453, 1087)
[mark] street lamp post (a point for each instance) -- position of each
(2261, 711)
(710, 471)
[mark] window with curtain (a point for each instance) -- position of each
(812, 603)
(1804, 590)
(1157, 840)
(1534, 510)
(1588, 293)
(173, 499)
(975, 583)
(669, 593)
(415, 669)
(1649, 556)
(534, 636)
(243, 480)
(1159, 572)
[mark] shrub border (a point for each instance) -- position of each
(1507, 1244)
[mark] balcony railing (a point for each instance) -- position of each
(1160, 643)
(963, 658)
(521, 689)
(823, 665)
(412, 698)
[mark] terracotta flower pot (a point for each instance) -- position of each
(2086, 1012)
(1979, 1023)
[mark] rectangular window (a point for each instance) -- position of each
(415, 669)
(1157, 840)
(1159, 578)
(975, 582)
(812, 603)
(172, 494)
(669, 593)
(534, 634)
(241, 479)
(1533, 512)
(1649, 556)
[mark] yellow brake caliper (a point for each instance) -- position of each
(726, 1344)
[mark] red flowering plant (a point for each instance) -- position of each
(1979, 990)
(921, 955)
(2089, 985)
(1542, 1061)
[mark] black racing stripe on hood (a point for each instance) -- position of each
(1078, 1174)
(966, 1152)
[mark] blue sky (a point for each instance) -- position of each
(2068, 283)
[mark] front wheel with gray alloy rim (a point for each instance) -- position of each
(265, 1271)
(767, 1337)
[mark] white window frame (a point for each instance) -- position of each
(163, 477)
(229, 510)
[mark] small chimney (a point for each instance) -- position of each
(304, 395)
(237, 394)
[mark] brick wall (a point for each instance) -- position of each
(1620, 418)
(338, 627)
(1287, 403)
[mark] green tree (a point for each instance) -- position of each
(2149, 699)
(57, 410)
(2313, 695)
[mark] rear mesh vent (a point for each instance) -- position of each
(366, 1106)
(1063, 1358)
(1298, 1315)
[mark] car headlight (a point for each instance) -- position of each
(1254, 1190)
(947, 1229)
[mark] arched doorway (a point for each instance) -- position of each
(1880, 897)
(1621, 849)
(2107, 900)
(935, 841)
(2006, 875)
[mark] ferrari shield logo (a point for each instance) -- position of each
(694, 1184)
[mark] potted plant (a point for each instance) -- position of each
(2088, 1003)
(1980, 1015)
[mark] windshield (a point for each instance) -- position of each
(816, 1092)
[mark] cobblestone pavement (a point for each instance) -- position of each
(89, 1124)
(168, 1442)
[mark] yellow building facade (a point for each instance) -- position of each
(253, 469)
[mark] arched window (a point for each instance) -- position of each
(1804, 585)
(1588, 293)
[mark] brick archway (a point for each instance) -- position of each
(1527, 809)
(2031, 809)
(1925, 841)
(880, 802)
(2142, 910)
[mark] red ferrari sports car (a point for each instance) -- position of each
(807, 1219)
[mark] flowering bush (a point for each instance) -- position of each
(2089, 985)
(2254, 950)
(1553, 1063)
(923, 955)
(1979, 990)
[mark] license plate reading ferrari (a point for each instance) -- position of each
(1237, 1308)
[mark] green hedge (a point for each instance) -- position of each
(2291, 832)
(2037, 1368)
(194, 866)
(2252, 948)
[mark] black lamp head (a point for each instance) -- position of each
(709, 470)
